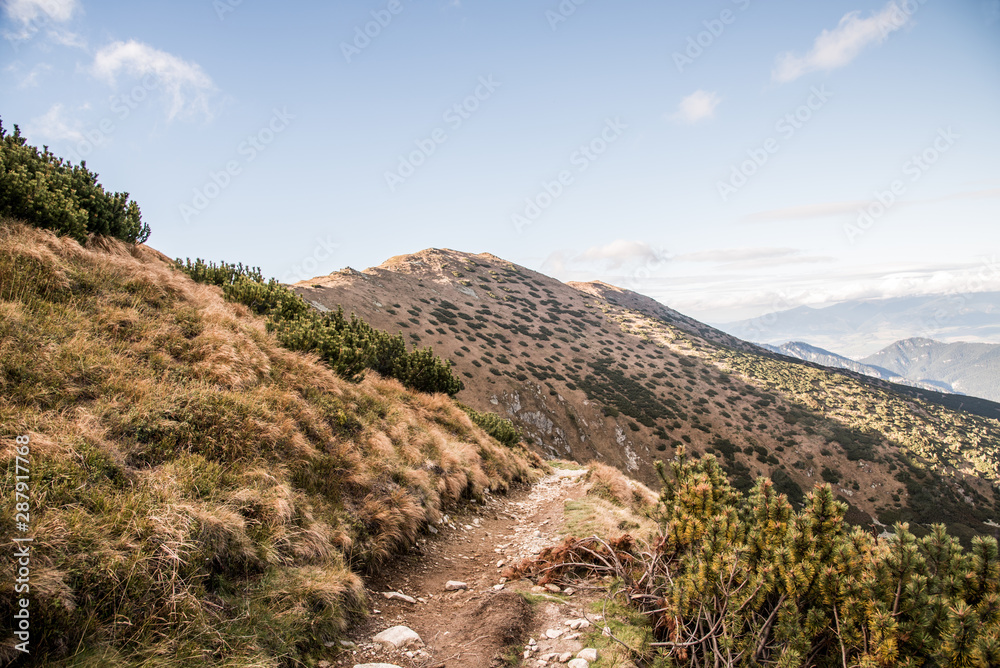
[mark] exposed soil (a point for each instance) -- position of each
(485, 625)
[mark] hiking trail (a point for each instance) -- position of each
(486, 622)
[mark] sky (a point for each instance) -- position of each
(728, 158)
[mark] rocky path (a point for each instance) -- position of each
(448, 592)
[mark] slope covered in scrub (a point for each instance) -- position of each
(198, 493)
(588, 371)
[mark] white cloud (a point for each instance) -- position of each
(838, 47)
(622, 263)
(697, 106)
(26, 11)
(852, 207)
(30, 14)
(807, 211)
(67, 38)
(185, 84)
(621, 252)
(737, 254)
(719, 296)
(54, 125)
(748, 259)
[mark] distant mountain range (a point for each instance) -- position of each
(860, 328)
(960, 368)
(968, 368)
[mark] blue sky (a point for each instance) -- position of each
(727, 158)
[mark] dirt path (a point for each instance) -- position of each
(478, 626)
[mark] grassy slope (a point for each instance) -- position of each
(200, 494)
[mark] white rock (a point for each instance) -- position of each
(578, 663)
(397, 637)
(588, 654)
(396, 596)
(565, 657)
(455, 585)
(375, 665)
(497, 587)
(552, 634)
(553, 588)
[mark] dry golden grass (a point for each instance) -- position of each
(200, 494)
(612, 485)
(613, 505)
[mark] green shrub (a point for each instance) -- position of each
(499, 428)
(49, 192)
(740, 578)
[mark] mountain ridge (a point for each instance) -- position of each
(967, 367)
(591, 371)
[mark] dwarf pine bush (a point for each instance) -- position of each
(743, 580)
(48, 192)
(499, 428)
